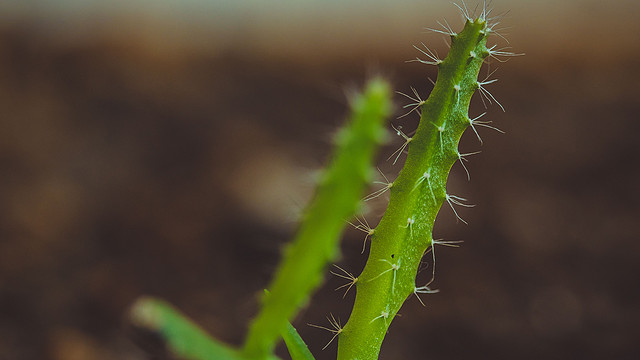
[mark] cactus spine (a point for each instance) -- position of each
(404, 233)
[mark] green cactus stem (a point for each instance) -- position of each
(336, 199)
(405, 232)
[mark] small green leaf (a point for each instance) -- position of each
(296, 346)
(185, 338)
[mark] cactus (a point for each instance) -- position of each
(316, 244)
(404, 233)
(336, 199)
(401, 239)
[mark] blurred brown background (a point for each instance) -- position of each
(165, 147)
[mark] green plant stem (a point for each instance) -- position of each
(336, 200)
(405, 231)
